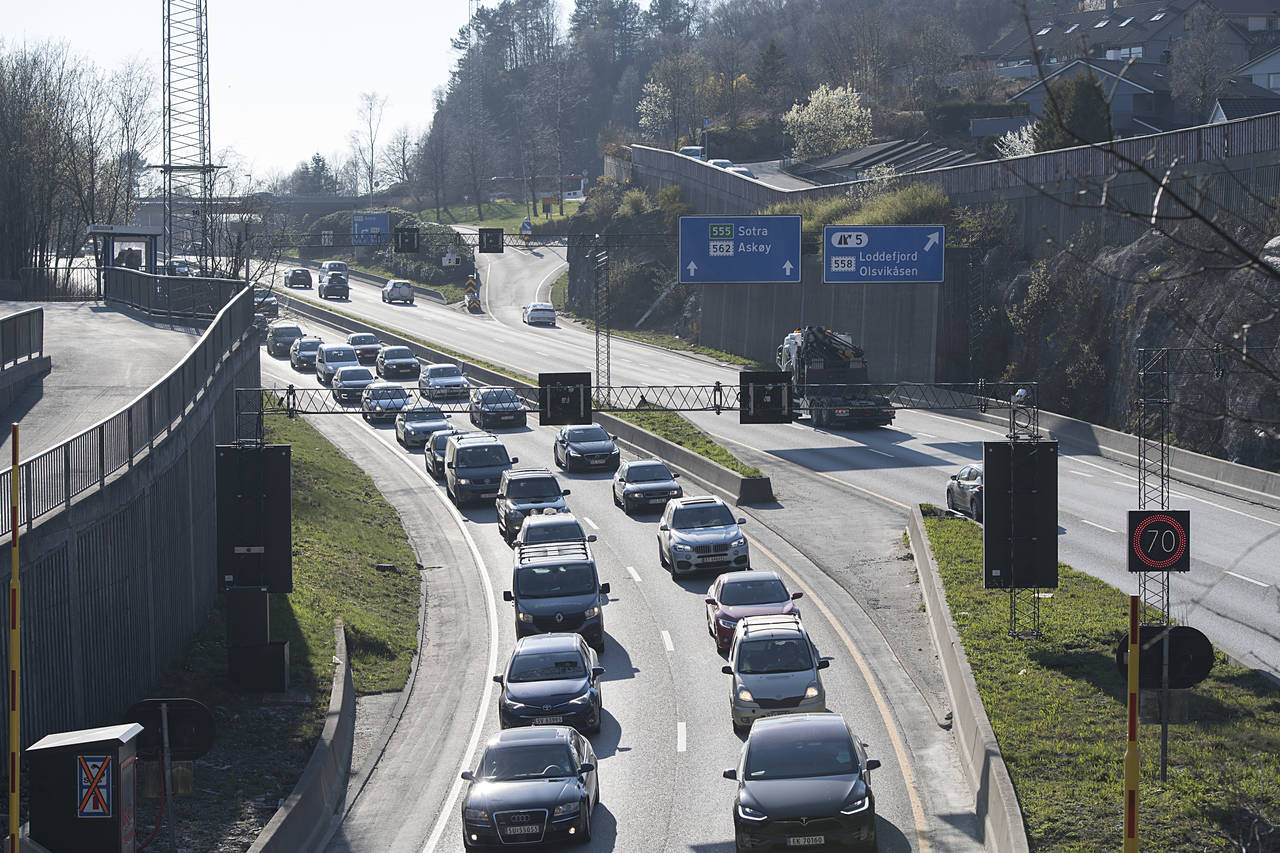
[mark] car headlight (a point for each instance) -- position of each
(475, 814)
(739, 542)
(463, 482)
(748, 813)
(566, 809)
(573, 452)
(811, 692)
(680, 547)
(591, 612)
(675, 493)
(855, 807)
(745, 695)
(727, 623)
(524, 617)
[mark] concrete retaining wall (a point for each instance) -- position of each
(995, 801)
(15, 378)
(318, 798)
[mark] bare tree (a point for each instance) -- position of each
(364, 141)
(1199, 63)
(399, 159)
(433, 156)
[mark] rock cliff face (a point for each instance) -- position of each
(1078, 320)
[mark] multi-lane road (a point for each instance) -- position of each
(835, 532)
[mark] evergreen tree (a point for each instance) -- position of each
(1075, 113)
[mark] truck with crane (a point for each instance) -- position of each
(826, 371)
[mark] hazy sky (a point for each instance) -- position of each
(285, 76)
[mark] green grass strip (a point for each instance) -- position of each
(508, 215)
(1057, 706)
(678, 429)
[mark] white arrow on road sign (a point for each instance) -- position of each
(692, 268)
(787, 267)
(932, 241)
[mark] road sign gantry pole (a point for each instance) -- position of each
(15, 651)
(1131, 743)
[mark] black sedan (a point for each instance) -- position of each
(551, 679)
(803, 781)
(433, 451)
(645, 484)
(349, 383)
(397, 363)
(533, 785)
(302, 355)
(496, 407)
(964, 491)
(588, 447)
(265, 303)
(298, 277)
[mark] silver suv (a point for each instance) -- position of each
(701, 533)
(775, 667)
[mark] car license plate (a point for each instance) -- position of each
(806, 840)
(657, 500)
(599, 460)
(489, 494)
(522, 830)
(547, 721)
(507, 417)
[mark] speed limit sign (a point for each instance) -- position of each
(1159, 540)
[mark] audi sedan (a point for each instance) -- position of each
(551, 679)
(964, 491)
(532, 785)
(349, 383)
(397, 363)
(804, 781)
(736, 595)
(416, 425)
(383, 401)
(588, 447)
(645, 484)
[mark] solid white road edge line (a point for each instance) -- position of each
(1245, 578)
(880, 452)
(635, 576)
(546, 281)
(680, 737)
(1099, 526)
(666, 641)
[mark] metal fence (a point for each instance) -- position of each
(21, 336)
(60, 284)
(49, 481)
(168, 295)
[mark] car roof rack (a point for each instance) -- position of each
(544, 551)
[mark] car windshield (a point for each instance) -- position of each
(488, 454)
(650, 472)
(789, 654)
(308, 346)
(533, 487)
(692, 517)
(753, 591)
(591, 433)
(439, 440)
(396, 352)
(423, 415)
(784, 756)
(287, 331)
(444, 370)
(355, 374)
(336, 266)
(555, 581)
(339, 354)
(547, 666)
(388, 393)
(559, 531)
(498, 395)
(506, 761)
(362, 340)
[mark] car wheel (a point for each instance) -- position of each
(951, 502)
(662, 560)
(585, 838)
(975, 508)
(741, 731)
(555, 454)
(410, 301)
(384, 297)
(711, 627)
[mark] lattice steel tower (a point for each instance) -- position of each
(188, 172)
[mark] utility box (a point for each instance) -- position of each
(82, 789)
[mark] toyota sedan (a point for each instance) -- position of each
(551, 679)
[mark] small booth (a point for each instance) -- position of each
(132, 246)
(82, 789)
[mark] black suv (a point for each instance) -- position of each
(524, 491)
(298, 277)
(335, 285)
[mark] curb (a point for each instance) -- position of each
(317, 800)
(995, 800)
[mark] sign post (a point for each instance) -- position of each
(739, 250)
(15, 652)
(883, 254)
(1131, 744)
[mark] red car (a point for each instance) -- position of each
(748, 593)
(367, 346)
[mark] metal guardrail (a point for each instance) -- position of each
(167, 295)
(49, 481)
(60, 284)
(21, 336)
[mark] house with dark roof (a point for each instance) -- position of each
(1229, 107)
(1257, 19)
(1143, 32)
(1263, 70)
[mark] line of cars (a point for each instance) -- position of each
(536, 779)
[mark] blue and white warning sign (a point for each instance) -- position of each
(93, 785)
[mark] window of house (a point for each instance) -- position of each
(1273, 82)
(1134, 52)
(1157, 16)
(1257, 23)
(1073, 28)
(1102, 23)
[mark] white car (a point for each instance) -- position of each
(720, 164)
(398, 290)
(539, 312)
(741, 170)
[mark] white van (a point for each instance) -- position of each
(697, 152)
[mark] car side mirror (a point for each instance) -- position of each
(731, 773)
(449, 465)
(796, 595)
(564, 492)
(497, 679)
(507, 596)
(742, 521)
(515, 459)
(446, 414)
(955, 476)
(591, 537)
(604, 589)
(613, 438)
(675, 475)
(663, 527)
(586, 767)
(468, 775)
(824, 663)
(710, 600)
(726, 669)
(501, 495)
(597, 671)
(873, 764)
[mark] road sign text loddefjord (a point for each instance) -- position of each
(873, 264)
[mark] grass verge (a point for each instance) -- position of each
(508, 215)
(661, 339)
(1057, 706)
(678, 429)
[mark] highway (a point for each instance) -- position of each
(835, 532)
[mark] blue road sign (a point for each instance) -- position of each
(370, 229)
(902, 254)
(739, 249)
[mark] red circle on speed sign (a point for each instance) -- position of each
(1168, 540)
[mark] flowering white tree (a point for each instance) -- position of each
(1017, 143)
(833, 120)
(654, 110)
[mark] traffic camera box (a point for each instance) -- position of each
(82, 789)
